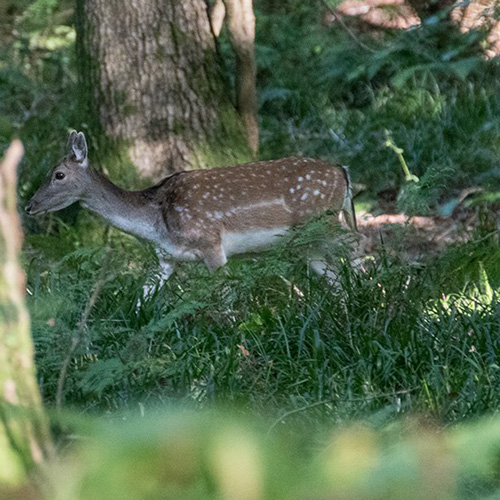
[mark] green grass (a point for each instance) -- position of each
(267, 335)
(267, 365)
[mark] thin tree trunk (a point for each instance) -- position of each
(493, 48)
(24, 432)
(217, 15)
(481, 14)
(151, 73)
(241, 26)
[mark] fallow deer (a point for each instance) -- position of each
(206, 215)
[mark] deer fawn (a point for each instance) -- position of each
(206, 215)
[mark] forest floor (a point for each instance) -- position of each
(418, 237)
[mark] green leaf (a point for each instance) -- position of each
(463, 68)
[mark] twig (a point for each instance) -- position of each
(389, 143)
(327, 401)
(77, 338)
(293, 412)
(346, 28)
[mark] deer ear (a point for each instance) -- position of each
(78, 147)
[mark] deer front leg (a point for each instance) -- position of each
(164, 271)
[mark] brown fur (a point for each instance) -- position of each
(203, 214)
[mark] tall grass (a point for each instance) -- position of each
(268, 335)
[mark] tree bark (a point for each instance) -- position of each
(217, 15)
(241, 26)
(24, 432)
(375, 13)
(482, 14)
(150, 72)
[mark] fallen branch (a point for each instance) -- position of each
(78, 337)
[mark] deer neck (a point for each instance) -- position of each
(126, 210)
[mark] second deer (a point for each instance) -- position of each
(206, 215)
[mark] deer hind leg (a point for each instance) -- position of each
(322, 268)
(329, 260)
(214, 257)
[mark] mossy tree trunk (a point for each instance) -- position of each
(24, 433)
(241, 27)
(153, 82)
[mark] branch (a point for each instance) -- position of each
(77, 338)
(346, 28)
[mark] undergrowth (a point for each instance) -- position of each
(268, 335)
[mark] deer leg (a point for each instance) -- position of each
(214, 257)
(326, 260)
(320, 266)
(353, 254)
(164, 271)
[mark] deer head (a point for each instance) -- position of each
(67, 182)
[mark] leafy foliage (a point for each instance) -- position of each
(429, 86)
(396, 338)
(268, 336)
(207, 455)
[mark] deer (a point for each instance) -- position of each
(203, 215)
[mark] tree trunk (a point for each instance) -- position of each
(217, 15)
(241, 26)
(24, 433)
(150, 72)
(482, 14)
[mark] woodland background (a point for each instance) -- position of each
(266, 382)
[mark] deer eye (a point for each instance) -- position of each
(60, 176)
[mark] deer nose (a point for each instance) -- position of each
(28, 207)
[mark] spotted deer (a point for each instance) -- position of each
(206, 215)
